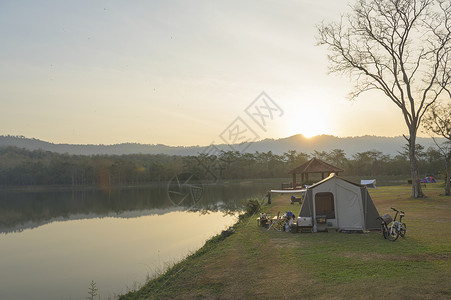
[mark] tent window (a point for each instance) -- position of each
(324, 203)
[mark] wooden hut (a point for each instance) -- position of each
(314, 165)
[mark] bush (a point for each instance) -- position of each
(252, 206)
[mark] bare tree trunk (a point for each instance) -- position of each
(448, 176)
(417, 191)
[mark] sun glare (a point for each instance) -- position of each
(309, 126)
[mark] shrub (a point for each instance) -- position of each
(252, 206)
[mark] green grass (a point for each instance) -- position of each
(256, 263)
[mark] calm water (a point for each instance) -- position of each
(53, 243)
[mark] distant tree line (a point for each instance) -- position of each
(24, 167)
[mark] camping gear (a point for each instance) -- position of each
(293, 225)
(287, 227)
(305, 222)
(295, 199)
(387, 218)
(321, 222)
(278, 223)
(342, 204)
(263, 220)
(289, 214)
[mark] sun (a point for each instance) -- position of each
(308, 126)
(311, 132)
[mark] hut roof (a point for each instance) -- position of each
(315, 165)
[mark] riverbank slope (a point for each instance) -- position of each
(256, 263)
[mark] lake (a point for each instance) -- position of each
(53, 242)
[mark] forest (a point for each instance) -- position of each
(20, 167)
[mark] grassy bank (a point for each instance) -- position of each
(254, 262)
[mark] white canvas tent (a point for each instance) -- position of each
(338, 203)
(369, 183)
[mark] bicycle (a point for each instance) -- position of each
(396, 229)
(401, 227)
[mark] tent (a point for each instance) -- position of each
(369, 183)
(428, 179)
(338, 203)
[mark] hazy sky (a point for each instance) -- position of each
(176, 72)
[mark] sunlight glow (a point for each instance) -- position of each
(309, 125)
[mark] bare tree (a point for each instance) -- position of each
(438, 121)
(399, 47)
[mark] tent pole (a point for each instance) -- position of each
(366, 206)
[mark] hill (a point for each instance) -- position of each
(351, 145)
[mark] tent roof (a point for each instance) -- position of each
(315, 165)
(368, 181)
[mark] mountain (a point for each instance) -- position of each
(350, 145)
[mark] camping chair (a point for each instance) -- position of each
(278, 223)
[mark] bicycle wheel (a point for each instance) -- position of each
(402, 231)
(393, 234)
(384, 231)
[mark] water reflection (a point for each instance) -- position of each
(114, 237)
(59, 260)
(27, 209)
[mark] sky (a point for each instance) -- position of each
(177, 73)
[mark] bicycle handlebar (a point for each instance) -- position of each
(400, 211)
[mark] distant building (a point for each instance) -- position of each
(314, 165)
